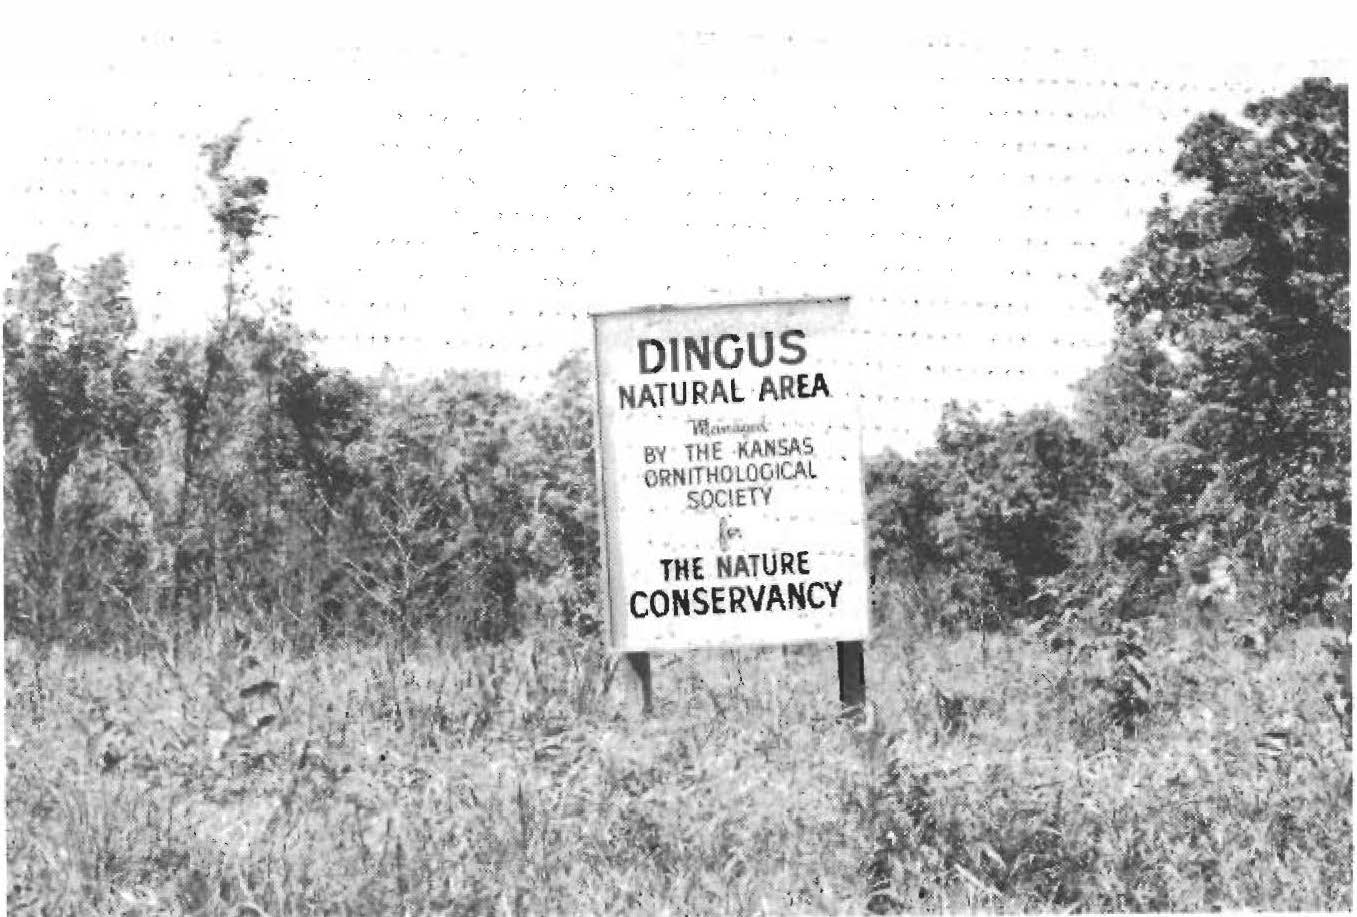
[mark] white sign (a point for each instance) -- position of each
(730, 476)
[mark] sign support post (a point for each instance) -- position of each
(640, 664)
(852, 679)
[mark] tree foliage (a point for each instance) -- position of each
(1216, 428)
(68, 390)
(229, 474)
(991, 504)
(1247, 289)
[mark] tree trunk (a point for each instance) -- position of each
(46, 579)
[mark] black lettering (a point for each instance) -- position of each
(810, 595)
(650, 343)
(723, 361)
(697, 350)
(754, 357)
(787, 344)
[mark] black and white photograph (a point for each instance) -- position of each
(751, 459)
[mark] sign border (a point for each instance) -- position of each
(605, 505)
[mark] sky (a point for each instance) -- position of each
(460, 191)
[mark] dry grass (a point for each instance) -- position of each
(245, 781)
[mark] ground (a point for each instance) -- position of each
(991, 775)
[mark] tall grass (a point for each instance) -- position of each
(234, 775)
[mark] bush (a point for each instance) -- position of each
(989, 510)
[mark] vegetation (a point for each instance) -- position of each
(1216, 431)
(222, 779)
(230, 475)
(284, 640)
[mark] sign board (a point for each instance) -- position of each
(730, 476)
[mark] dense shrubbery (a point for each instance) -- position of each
(1212, 449)
(990, 505)
(331, 505)
(157, 485)
(228, 474)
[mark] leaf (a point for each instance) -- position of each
(259, 689)
(993, 855)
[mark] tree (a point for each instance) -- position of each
(68, 386)
(1132, 394)
(1012, 489)
(439, 528)
(203, 380)
(991, 507)
(1247, 288)
(236, 206)
(1145, 481)
(328, 411)
(904, 501)
(560, 467)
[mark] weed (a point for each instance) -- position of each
(222, 776)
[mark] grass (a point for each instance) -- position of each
(226, 779)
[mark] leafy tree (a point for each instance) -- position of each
(1011, 488)
(1145, 481)
(1132, 394)
(557, 474)
(991, 506)
(438, 530)
(1247, 288)
(904, 500)
(203, 380)
(559, 467)
(328, 411)
(236, 206)
(68, 388)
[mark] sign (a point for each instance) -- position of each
(730, 476)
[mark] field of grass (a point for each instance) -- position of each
(229, 779)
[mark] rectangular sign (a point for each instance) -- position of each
(730, 476)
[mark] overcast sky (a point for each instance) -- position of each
(461, 192)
